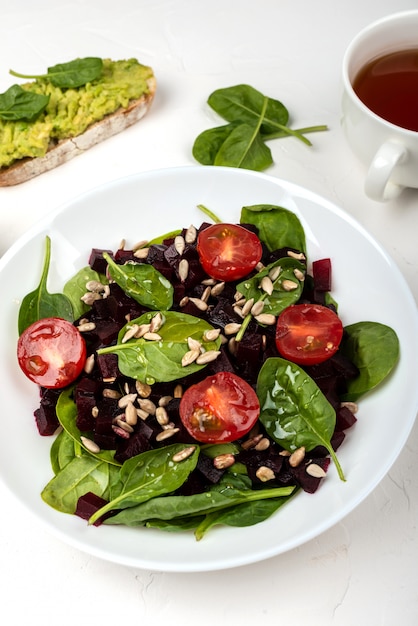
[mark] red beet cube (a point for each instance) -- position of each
(321, 271)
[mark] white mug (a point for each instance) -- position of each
(389, 152)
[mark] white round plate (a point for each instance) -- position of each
(367, 286)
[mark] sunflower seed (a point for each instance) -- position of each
(289, 285)
(141, 253)
(124, 425)
(189, 357)
(212, 334)
(184, 301)
(85, 327)
(207, 357)
(265, 474)
(122, 244)
(299, 274)
(202, 306)
(90, 445)
(140, 244)
(275, 272)
(232, 345)
(131, 416)
(152, 336)
(257, 308)
(126, 399)
(223, 461)
(130, 333)
(351, 406)
(296, 255)
(260, 266)
(183, 269)
(142, 414)
(89, 364)
(315, 470)
(266, 318)
(142, 329)
(193, 344)
(217, 289)
(238, 311)
(297, 457)
(166, 434)
(179, 244)
(161, 416)
(90, 297)
(143, 389)
(232, 328)
(251, 442)
(164, 400)
(191, 234)
(247, 306)
(262, 445)
(147, 405)
(95, 286)
(95, 412)
(183, 454)
(156, 323)
(178, 391)
(206, 294)
(208, 281)
(113, 394)
(267, 285)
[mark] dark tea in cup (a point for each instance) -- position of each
(388, 86)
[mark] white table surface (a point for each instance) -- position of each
(362, 571)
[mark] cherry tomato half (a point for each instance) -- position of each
(228, 251)
(51, 352)
(308, 333)
(220, 408)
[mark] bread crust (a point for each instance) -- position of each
(66, 149)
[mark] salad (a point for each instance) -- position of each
(202, 378)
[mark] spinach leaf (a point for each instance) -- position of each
(66, 410)
(148, 475)
(39, 303)
(281, 297)
(73, 74)
(244, 148)
(82, 474)
(75, 288)
(277, 227)
(63, 450)
(173, 507)
(20, 104)
(143, 283)
(207, 145)
(294, 411)
(161, 360)
(374, 349)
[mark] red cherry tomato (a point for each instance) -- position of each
(220, 408)
(51, 352)
(308, 333)
(228, 251)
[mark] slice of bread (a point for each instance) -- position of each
(65, 149)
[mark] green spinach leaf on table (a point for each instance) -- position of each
(294, 411)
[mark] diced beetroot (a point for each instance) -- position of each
(45, 415)
(206, 467)
(96, 260)
(85, 399)
(345, 418)
(108, 366)
(88, 504)
(136, 444)
(322, 274)
(104, 309)
(307, 482)
(123, 256)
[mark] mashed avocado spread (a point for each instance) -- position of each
(70, 111)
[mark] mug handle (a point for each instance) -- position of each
(378, 185)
